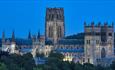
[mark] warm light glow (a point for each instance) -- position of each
(68, 58)
(12, 48)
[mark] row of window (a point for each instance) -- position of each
(87, 60)
(98, 33)
(89, 42)
(97, 42)
(59, 31)
(70, 47)
(73, 54)
(52, 16)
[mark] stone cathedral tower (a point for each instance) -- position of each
(99, 43)
(55, 27)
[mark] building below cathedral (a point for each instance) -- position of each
(95, 45)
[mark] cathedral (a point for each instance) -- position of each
(96, 46)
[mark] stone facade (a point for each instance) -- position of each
(54, 26)
(71, 49)
(8, 45)
(99, 42)
(96, 46)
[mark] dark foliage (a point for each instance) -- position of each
(18, 62)
(54, 62)
(76, 36)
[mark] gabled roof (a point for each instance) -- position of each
(23, 42)
(66, 42)
(18, 41)
(71, 42)
(26, 50)
(80, 50)
(48, 42)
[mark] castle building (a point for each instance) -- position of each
(54, 25)
(99, 43)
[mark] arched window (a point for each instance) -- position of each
(50, 31)
(59, 31)
(103, 53)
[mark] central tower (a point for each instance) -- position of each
(54, 27)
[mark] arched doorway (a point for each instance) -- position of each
(103, 53)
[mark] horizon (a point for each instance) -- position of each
(25, 15)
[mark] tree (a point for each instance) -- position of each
(36, 68)
(54, 61)
(113, 65)
(65, 65)
(76, 36)
(72, 65)
(56, 58)
(39, 54)
(12, 61)
(27, 61)
(47, 67)
(99, 67)
(78, 66)
(56, 55)
(88, 66)
(18, 62)
(3, 66)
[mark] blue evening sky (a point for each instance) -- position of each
(25, 15)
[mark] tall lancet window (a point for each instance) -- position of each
(103, 53)
(50, 31)
(59, 31)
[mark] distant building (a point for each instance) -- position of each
(95, 45)
(54, 25)
(72, 49)
(8, 45)
(15, 45)
(55, 36)
(99, 43)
